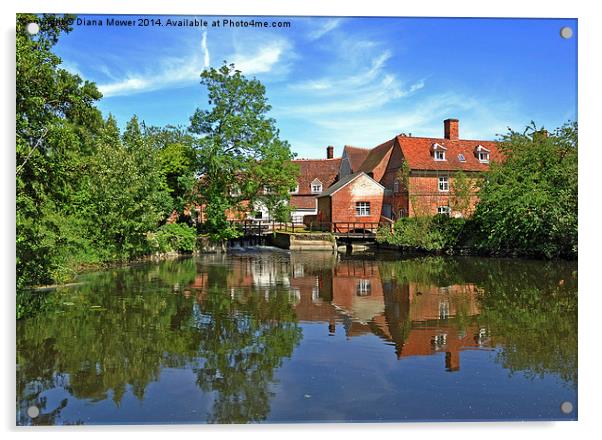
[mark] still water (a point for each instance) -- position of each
(271, 336)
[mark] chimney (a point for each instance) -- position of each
(329, 152)
(451, 129)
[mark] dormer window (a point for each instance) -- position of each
(438, 152)
(316, 186)
(295, 190)
(482, 154)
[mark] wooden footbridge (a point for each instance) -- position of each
(343, 231)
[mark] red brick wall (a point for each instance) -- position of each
(362, 189)
(425, 197)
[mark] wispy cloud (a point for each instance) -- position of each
(206, 58)
(324, 28)
(337, 83)
(365, 90)
(263, 59)
(171, 72)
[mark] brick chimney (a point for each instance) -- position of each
(451, 129)
(329, 152)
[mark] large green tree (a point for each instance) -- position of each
(56, 126)
(528, 201)
(242, 160)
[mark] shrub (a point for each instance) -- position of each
(173, 237)
(437, 233)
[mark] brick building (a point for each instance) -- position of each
(404, 176)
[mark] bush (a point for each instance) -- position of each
(437, 233)
(528, 203)
(173, 237)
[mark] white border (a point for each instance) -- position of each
(590, 73)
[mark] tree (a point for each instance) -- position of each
(126, 196)
(528, 202)
(177, 161)
(56, 124)
(239, 150)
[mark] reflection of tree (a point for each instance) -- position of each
(113, 332)
(244, 339)
(537, 326)
(119, 330)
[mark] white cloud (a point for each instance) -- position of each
(335, 84)
(262, 60)
(206, 59)
(343, 93)
(328, 25)
(171, 72)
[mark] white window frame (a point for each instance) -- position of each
(362, 209)
(445, 210)
(295, 190)
(363, 287)
(483, 156)
(443, 184)
(438, 149)
(461, 157)
(316, 186)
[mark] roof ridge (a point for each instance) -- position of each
(399, 136)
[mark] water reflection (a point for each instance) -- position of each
(228, 324)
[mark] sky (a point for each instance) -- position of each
(340, 80)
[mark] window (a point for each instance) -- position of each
(363, 288)
(316, 186)
(295, 190)
(443, 309)
(258, 215)
(445, 210)
(438, 151)
(443, 184)
(461, 158)
(362, 209)
(396, 186)
(482, 154)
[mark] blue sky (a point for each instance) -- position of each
(343, 81)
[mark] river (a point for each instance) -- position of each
(265, 335)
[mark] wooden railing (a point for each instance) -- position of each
(348, 229)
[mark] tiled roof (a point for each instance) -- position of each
(306, 201)
(325, 170)
(418, 153)
(344, 181)
(356, 156)
(377, 160)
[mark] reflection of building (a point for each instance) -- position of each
(419, 319)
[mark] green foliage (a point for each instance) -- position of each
(238, 148)
(56, 126)
(177, 160)
(85, 195)
(115, 333)
(528, 203)
(173, 237)
(436, 233)
(461, 194)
